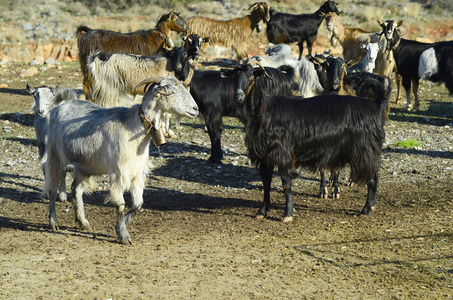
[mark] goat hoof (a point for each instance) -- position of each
(85, 227)
(287, 219)
(336, 195)
(259, 217)
(125, 241)
(54, 227)
(323, 193)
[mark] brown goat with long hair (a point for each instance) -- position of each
(232, 33)
(141, 42)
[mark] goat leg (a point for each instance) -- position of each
(335, 185)
(371, 197)
(53, 223)
(323, 193)
(266, 178)
(289, 209)
(123, 235)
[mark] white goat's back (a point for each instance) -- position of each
(428, 65)
(309, 84)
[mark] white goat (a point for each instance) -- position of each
(278, 55)
(44, 99)
(368, 62)
(92, 140)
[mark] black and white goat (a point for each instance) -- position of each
(289, 28)
(91, 140)
(415, 60)
(326, 132)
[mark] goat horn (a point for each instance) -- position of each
(262, 68)
(253, 6)
(149, 81)
(253, 61)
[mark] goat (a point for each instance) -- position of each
(436, 64)
(288, 28)
(214, 96)
(91, 140)
(193, 44)
(141, 42)
(368, 62)
(411, 62)
(44, 99)
(233, 33)
(115, 76)
(278, 55)
(325, 132)
(352, 39)
(332, 73)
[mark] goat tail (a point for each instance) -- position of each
(81, 29)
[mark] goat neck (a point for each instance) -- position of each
(156, 133)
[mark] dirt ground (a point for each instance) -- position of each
(196, 236)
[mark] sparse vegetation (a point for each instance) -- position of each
(409, 144)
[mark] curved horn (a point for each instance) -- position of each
(253, 61)
(253, 6)
(262, 68)
(149, 81)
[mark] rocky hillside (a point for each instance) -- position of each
(34, 33)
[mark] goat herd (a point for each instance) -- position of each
(136, 80)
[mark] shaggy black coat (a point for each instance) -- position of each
(326, 132)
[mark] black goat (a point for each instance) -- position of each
(408, 55)
(288, 28)
(332, 76)
(214, 96)
(321, 133)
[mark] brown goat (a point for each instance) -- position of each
(232, 33)
(141, 42)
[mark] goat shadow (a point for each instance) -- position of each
(438, 114)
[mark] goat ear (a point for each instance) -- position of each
(399, 23)
(206, 39)
(30, 89)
